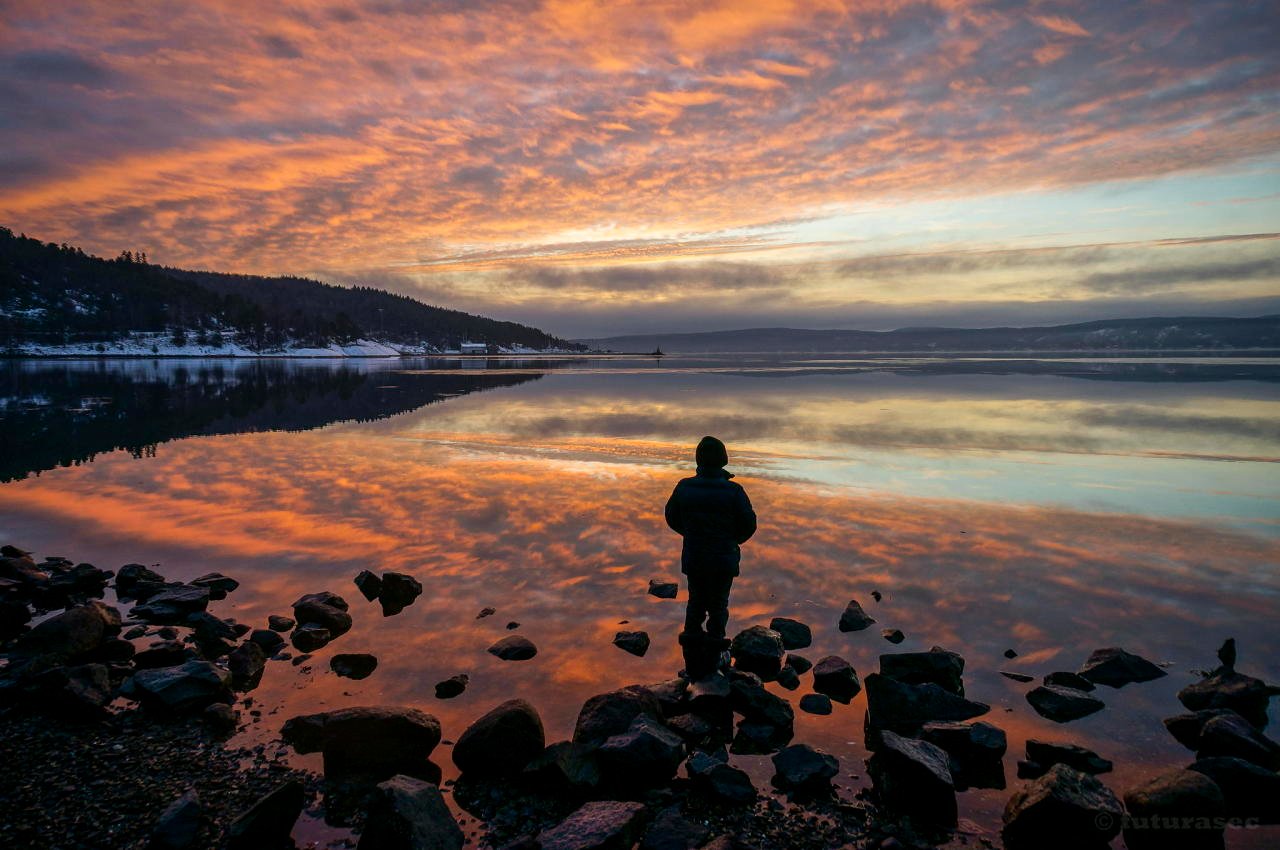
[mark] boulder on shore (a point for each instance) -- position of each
(646, 755)
(185, 688)
(800, 767)
(1248, 791)
(501, 742)
(75, 632)
(218, 584)
(663, 589)
(269, 821)
(914, 777)
(599, 825)
(1159, 807)
(324, 609)
(514, 648)
(758, 650)
(353, 665)
(309, 637)
(720, 780)
(1062, 705)
(942, 667)
(816, 704)
(1115, 668)
(900, 706)
(173, 605)
(1046, 754)
(1069, 680)
(1229, 734)
(836, 678)
(1062, 810)
(795, 634)
(1245, 695)
(975, 752)
(179, 824)
(366, 740)
(452, 686)
(854, 619)
(398, 592)
(605, 715)
(410, 814)
(369, 585)
(636, 643)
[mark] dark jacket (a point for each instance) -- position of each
(714, 516)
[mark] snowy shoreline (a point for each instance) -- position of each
(162, 345)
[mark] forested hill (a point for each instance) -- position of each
(54, 294)
(1186, 333)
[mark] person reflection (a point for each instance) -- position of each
(715, 517)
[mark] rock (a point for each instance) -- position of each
(798, 663)
(1009, 653)
(1249, 791)
(353, 665)
(9, 551)
(14, 616)
(795, 634)
(486, 612)
(720, 780)
(79, 693)
(800, 767)
(452, 686)
(269, 640)
(709, 694)
(749, 697)
(600, 825)
(605, 715)
(326, 610)
(179, 824)
(671, 830)
(220, 717)
(646, 755)
(1116, 668)
(815, 704)
(1185, 728)
(165, 653)
(115, 651)
(758, 650)
(182, 689)
(410, 814)
(905, 707)
(75, 632)
(218, 584)
(1069, 680)
(636, 643)
(514, 648)
(1047, 754)
(134, 581)
(269, 821)
(173, 604)
(914, 777)
(279, 623)
(1157, 810)
(1229, 734)
(663, 589)
(1062, 810)
(565, 764)
(893, 635)
(974, 752)
(671, 696)
(788, 678)
(1017, 677)
(942, 667)
(760, 739)
(692, 727)
(502, 742)
(854, 619)
(246, 663)
(398, 592)
(1062, 705)
(1245, 695)
(309, 637)
(836, 678)
(512, 625)
(366, 740)
(876, 595)
(369, 585)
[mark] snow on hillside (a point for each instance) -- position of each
(162, 345)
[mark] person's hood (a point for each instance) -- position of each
(714, 472)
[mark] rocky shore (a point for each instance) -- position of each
(114, 729)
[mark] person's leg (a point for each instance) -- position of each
(717, 604)
(695, 610)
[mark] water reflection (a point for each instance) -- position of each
(1018, 511)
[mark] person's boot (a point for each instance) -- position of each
(701, 654)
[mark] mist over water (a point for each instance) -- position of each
(1051, 507)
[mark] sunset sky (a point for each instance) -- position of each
(599, 168)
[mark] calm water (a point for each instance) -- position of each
(1047, 506)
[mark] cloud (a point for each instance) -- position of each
(58, 66)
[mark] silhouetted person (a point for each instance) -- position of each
(714, 516)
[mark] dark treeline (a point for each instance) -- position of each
(53, 293)
(62, 414)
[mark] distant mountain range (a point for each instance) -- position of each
(57, 296)
(1189, 333)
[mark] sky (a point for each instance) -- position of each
(605, 168)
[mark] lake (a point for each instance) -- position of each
(1048, 506)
